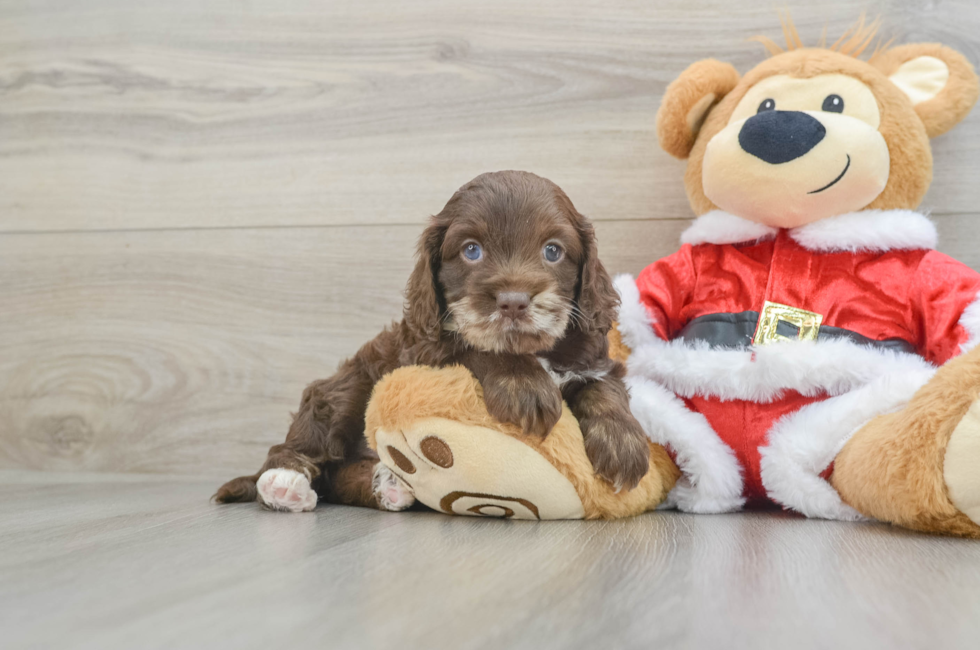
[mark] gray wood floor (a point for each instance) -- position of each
(129, 561)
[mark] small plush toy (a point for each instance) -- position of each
(431, 429)
(806, 345)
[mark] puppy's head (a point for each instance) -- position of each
(509, 265)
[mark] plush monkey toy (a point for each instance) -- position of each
(431, 429)
(806, 345)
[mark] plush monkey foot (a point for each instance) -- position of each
(438, 444)
(961, 466)
(920, 467)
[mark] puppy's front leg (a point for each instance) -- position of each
(614, 441)
(517, 390)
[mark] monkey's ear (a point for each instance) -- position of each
(939, 81)
(687, 102)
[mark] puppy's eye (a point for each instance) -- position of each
(552, 252)
(833, 104)
(767, 105)
(472, 251)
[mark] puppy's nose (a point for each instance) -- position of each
(512, 304)
(780, 136)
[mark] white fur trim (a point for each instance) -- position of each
(634, 322)
(762, 374)
(719, 227)
(970, 321)
(803, 444)
(759, 374)
(866, 230)
(712, 477)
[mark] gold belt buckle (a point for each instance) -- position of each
(808, 323)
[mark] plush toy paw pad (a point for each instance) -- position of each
(286, 490)
(961, 469)
(391, 491)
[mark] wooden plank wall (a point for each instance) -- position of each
(203, 206)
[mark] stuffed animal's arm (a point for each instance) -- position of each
(659, 294)
(946, 299)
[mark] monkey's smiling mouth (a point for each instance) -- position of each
(834, 182)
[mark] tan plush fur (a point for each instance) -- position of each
(416, 392)
(892, 469)
(618, 350)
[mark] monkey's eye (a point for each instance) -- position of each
(472, 251)
(552, 252)
(833, 104)
(767, 105)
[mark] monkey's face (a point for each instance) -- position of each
(796, 150)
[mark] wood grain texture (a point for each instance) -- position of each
(205, 206)
(121, 114)
(108, 562)
(185, 350)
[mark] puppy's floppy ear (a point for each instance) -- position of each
(424, 302)
(688, 100)
(596, 298)
(939, 81)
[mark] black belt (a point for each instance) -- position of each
(737, 330)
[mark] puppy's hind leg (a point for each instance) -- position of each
(286, 490)
(365, 483)
(237, 490)
(325, 442)
(390, 492)
(283, 483)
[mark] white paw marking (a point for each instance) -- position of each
(391, 492)
(286, 490)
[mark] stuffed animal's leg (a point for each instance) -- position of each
(920, 467)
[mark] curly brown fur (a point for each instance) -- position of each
(526, 359)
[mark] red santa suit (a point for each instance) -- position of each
(757, 352)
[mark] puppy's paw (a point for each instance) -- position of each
(618, 449)
(531, 402)
(391, 492)
(286, 490)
